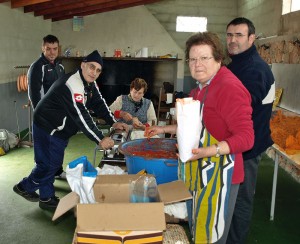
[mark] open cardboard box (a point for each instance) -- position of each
(113, 219)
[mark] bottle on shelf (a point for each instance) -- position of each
(128, 53)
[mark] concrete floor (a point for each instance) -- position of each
(24, 222)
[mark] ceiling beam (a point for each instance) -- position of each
(67, 9)
(100, 8)
(22, 3)
(79, 4)
(50, 5)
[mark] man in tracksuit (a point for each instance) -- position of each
(44, 71)
(59, 115)
(42, 74)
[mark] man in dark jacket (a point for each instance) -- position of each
(44, 71)
(59, 115)
(257, 77)
(42, 74)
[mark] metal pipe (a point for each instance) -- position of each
(17, 118)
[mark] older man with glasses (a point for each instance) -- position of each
(58, 116)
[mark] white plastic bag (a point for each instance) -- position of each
(4, 141)
(188, 126)
(178, 210)
(110, 170)
(8, 140)
(81, 176)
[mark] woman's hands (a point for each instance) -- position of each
(121, 126)
(155, 130)
(210, 151)
(135, 121)
(137, 124)
(126, 116)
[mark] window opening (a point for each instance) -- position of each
(191, 24)
(289, 6)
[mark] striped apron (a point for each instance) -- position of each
(209, 181)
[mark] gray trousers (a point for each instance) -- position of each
(242, 214)
(232, 201)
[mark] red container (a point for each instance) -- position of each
(118, 53)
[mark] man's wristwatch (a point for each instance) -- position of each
(218, 150)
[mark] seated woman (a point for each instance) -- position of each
(134, 109)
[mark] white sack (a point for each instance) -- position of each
(178, 210)
(110, 170)
(82, 185)
(188, 126)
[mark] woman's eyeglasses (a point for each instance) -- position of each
(203, 60)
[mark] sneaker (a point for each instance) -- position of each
(49, 204)
(29, 196)
(62, 176)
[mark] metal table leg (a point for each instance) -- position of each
(95, 152)
(274, 186)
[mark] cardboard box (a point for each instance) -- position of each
(113, 219)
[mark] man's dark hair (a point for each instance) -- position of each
(50, 39)
(242, 20)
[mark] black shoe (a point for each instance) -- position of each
(49, 204)
(30, 196)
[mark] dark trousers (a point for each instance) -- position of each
(49, 155)
(242, 214)
(58, 173)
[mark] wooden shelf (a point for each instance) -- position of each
(128, 59)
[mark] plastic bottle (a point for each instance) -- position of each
(128, 53)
